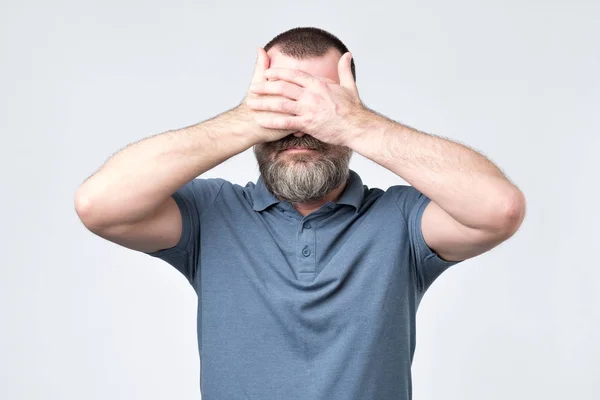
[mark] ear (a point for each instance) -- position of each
(345, 72)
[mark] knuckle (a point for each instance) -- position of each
(320, 85)
(277, 105)
(275, 122)
(289, 124)
(278, 86)
(308, 118)
(301, 107)
(314, 98)
(288, 106)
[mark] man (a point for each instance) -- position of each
(308, 281)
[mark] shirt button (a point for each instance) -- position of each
(307, 225)
(306, 252)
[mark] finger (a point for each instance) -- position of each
(281, 88)
(326, 80)
(345, 72)
(275, 104)
(279, 122)
(262, 64)
(291, 75)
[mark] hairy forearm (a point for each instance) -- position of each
(460, 180)
(139, 178)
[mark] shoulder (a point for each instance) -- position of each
(203, 189)
(407, 198)
(402, 195)
(223, 192)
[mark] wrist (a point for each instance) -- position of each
(238, 123)
(361, 123)
(231, 127)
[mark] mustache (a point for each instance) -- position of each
(305, 141)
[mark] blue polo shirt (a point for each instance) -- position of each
(320, 307)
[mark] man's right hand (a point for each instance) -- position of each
(247, 115)
(130, 204)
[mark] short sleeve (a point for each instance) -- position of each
(429, 266)
(193, 199)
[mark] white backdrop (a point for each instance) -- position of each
(83, 318)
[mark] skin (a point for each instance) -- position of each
(474, 206)
(303, 160)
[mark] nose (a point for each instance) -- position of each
(299, 134)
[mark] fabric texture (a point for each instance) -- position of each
(318, 307)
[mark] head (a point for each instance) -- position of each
(304, 177)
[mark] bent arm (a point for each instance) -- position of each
(473, 207)
(128, 200)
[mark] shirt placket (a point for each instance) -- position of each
(305, 250)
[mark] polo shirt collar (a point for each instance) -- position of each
(352, 195)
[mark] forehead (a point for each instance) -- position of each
(325, 66)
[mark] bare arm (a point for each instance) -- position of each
(128, 200)
(474, 206)
(138, 179)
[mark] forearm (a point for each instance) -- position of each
(461, 181)
(139, 178)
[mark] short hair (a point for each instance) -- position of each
(307, 42)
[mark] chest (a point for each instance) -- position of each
(337, 258)
(292, 299)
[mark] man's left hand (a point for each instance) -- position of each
(321, 107)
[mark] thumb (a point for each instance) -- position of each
(345, 72)
(262, 63)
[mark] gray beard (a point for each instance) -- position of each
(304, 178)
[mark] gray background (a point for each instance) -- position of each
(83, 318)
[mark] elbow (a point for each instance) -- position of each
(85, 209)
(82, 206)
(511, 213)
